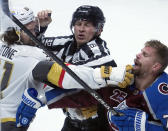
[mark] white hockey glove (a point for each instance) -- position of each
(118, 76)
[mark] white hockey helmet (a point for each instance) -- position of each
(24, 15)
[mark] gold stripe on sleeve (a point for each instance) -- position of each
(8, 119)
(54, 74)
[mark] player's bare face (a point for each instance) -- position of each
(84, 31)
(144, 61)
(24, 37)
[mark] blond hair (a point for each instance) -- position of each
(162, 52)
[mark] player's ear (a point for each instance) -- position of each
(156, 67)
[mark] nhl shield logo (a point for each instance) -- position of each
(163, 88)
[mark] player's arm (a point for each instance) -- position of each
(52, 74)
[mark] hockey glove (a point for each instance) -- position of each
(118, 76)
(28, 107)
(132, 120)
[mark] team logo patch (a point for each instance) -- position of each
(163, 88)
(24, 121)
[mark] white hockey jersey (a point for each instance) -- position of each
(16, 64)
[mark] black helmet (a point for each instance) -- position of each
(90, 13)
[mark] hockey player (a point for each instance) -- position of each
(141, 103)
(148, 102)
(18, 56)
(83, 47)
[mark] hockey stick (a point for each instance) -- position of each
(5, 8)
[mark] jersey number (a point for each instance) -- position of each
(6, 74)
(118, 95)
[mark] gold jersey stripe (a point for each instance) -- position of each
(54, 74)
(7, 119)
(89, 111)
